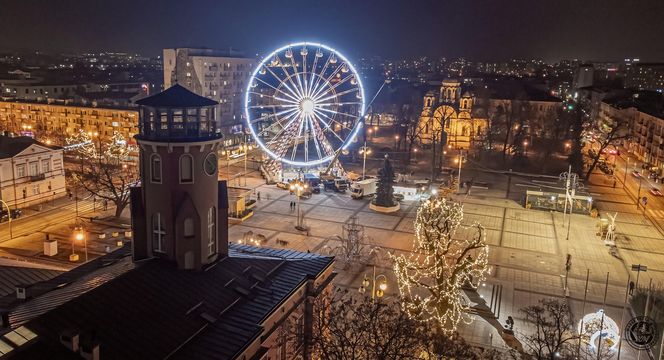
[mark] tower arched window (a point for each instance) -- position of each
(158, 233)
(186, 169)
(155, 168)
(189, 227)
(212, 231)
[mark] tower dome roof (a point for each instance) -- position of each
(176, 96)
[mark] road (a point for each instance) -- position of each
(37, 222)
(655, 204)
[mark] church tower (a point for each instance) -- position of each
(429, 103)
(466, 103)
(179, 212)
(449, 91)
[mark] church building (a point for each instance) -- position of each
(452, 110)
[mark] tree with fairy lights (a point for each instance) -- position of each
(446, 256)
(384, 187)
(103, 168)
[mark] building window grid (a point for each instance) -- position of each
(212, 233)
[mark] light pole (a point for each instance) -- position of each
(415, 154)
(638, 195)
(625, 174)
(227, 153)
(246, 148)
(79, 235)
(298, 187)
(364, 150)
(525, 147)
(382, 284)
(9, 217)
(460, 161)
(396, 142)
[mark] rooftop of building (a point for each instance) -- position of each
(649, 102)
(11, 146)
(177, 96)
(152, 310)
(203, 51)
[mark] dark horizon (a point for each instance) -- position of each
(479, 30)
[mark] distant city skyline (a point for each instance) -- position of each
(479, 30)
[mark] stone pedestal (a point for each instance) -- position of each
(384, 209)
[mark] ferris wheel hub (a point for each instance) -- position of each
(307, 106)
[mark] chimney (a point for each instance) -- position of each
(90, 352)
(70, 340)
(23, 292)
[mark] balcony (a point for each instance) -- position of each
(38, 177)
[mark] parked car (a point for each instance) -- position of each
(15, 214)
(656, 192)
(636, 174)
(283, 185)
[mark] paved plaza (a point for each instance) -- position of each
(528, 248)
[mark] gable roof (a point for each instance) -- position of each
(176, 96)
(12, 146)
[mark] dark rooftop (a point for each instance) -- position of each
(13, 276)
(154, 310)
(176, 96)
(11, 146)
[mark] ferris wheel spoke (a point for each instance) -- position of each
(290, 118)
(313, 72)
(304, 74)
(265, 117)
(338, 112)
(293, 94)
(296, 73)
(290, 102)
(322, 75)
(328, 126)
(337, 95)
(296, 141)
(284, 69)
(273, 106)
(328, 80)
(275, 89)
(314, 131)
(339, 103)
(344, 80)
(325, 143)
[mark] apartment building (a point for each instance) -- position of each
(52, 123)
(221, 75)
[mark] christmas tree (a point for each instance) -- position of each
(384, 190)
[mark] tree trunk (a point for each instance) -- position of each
(433, 156)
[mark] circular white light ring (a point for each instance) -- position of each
(348, 140)
(608, 335)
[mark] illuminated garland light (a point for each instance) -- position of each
(431, 277)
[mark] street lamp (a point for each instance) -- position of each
(380, 279)
(370, 131)
(227, 154)
(459, 161)
(396, 142)
(364, 151)
(79, 235)
(9, 216)
(525, 147)
(246, 148)
(298, 187)
(415, 154)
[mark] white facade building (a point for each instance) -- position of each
(220, 75)
(30, 172)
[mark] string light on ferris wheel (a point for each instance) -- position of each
(303, 106)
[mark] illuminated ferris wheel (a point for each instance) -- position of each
(304, 103)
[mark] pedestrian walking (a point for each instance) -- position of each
(614, 184)
(105, 204)
(259, 196)
(631, 287)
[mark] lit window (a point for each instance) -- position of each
(186, 169)
(155, 168)
(158, 233)
(20, 171)
(46, 165)
(33, 169)
(212, 232)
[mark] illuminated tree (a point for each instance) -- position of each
(442, 262)
(103, 169)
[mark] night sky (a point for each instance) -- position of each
(479, 30)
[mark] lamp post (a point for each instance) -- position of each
(9, 217)
(79, 235)
(379, 279)
(227, 153)
(396, 142)
(246, 148)
(625, 174)
(364, 150)
(459, 160)
(298, 187)
(415, 154)
(525, 147)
